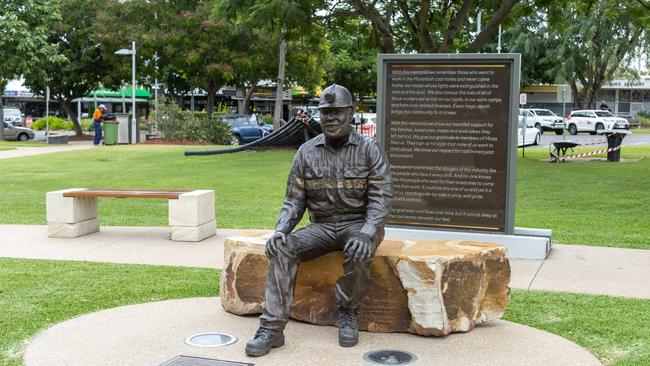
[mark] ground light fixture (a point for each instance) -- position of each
(389, 357)
(210, 339)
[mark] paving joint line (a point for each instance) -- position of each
(535, 275)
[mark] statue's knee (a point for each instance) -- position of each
(286, 254)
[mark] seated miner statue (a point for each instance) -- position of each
(343, 179)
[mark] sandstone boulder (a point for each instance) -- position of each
(429, 288)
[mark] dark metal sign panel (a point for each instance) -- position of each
(448, 124)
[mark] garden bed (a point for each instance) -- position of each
(176, 142)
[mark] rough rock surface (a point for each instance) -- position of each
(429, 288)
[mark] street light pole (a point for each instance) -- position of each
(134, 128)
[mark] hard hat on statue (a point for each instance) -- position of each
(335, 96)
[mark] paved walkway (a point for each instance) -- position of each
(570, 268)
(29, 151)
(150, 334)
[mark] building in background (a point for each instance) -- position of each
(623, 97)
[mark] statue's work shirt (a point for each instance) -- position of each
(351, 182)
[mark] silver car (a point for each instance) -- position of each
(13, 117)
(17, 133)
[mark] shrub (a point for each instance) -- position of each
(643, 117)
(267, 118)
(178, 125)
(56, 123)
(216, 131)
(644, 121)
(87, 125)
(643, 113)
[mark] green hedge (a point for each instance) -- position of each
(56, 123)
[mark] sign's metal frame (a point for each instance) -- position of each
(514, 59)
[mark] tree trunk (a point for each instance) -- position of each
(574, 90)
(69, 110)
(248, 94)
(496, 19)
(590, 95)
(211, 90)
(277, 116)
(381, 25)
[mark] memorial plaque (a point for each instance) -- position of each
(448, 123)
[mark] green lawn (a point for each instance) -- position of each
(35, 294)
(614, 329)
(641, 131)
(595, 203)
(4, 143)
(2, 148)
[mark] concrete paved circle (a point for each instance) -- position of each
(149, 334)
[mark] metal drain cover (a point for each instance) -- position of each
(390, 357)
(213, 339)
(200, 361)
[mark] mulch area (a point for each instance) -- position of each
(174, 142)
(80, 138)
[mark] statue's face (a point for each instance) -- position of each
(335, 122)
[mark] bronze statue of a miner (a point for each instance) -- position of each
(343, 180)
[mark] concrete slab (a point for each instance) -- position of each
(149, 334)
(595, 270)
(30, 151)
(523, 271)
(133, 245)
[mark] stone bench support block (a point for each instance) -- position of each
(430, 288)
(192, 208)
(65, 230)
(193, 233)
(69, 209)
(191, 216)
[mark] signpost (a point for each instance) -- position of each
(523, 98)
(47, 115)
(563, 96)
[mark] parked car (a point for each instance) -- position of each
(532, 134)
(365, 124)
(13, 117)
(15, 133)
(543, 120)
(594, 120)
(246, 128)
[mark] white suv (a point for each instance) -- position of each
(594, 120)
(543, 120)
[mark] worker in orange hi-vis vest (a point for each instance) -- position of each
(98, 118)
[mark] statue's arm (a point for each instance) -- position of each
(380, 190)
(295, 198)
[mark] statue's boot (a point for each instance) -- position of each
(348, 330)
(264, 340)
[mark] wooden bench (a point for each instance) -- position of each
(73, 212)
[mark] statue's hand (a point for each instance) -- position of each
(278, 238)
(359, 247)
